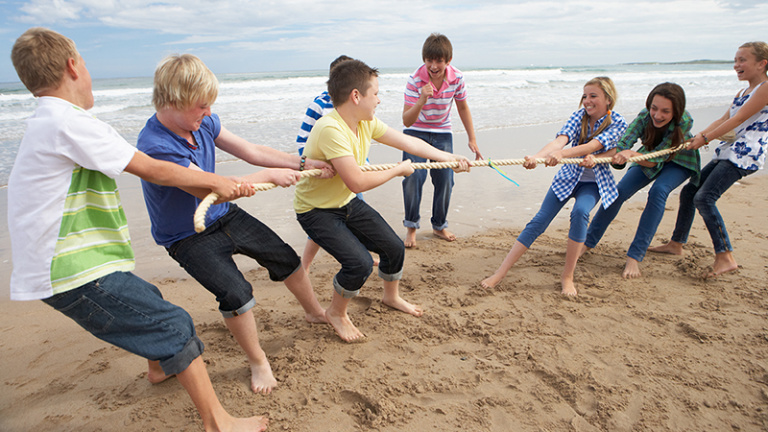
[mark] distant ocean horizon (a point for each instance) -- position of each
(267, 107)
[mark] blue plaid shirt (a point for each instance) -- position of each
(569, 175)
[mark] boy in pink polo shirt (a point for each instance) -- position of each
(429, 95)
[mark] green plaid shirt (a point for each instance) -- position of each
(689, 159)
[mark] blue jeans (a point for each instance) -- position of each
(207, 257)
(130, 313)
(668, 179)
(348, 233)
(442, 180)
(716, 177)
(586, 195)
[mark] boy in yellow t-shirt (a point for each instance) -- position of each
(331, 214)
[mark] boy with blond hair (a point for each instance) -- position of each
(69, 234)
(329, 211)
(429, 95)
(184, 131)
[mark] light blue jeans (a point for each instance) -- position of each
(586, 195)
(442, 180)
(668, 179)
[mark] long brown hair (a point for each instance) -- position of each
(676, 95)
(606, 85)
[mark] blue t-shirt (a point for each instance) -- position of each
(170, 208)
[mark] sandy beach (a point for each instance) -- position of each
(669, 351)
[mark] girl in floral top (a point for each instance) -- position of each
(594, 128)
(748, 117)
(663, 123)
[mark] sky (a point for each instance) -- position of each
(127, 38)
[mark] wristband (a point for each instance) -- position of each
(301, 164)
(706, 140)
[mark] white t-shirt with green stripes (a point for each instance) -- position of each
(65, 218)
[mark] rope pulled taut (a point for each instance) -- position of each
(205, 204)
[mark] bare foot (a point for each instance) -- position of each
(316, 319)
(724, 263)
(155, 374)
(262, 380)
(403, 306)
(344, 327)
(631, 269)
(492, 280)
(569, 288)
(252, 424)
(673, 248)
(444, 234)
(410, 237)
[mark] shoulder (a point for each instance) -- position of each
(211, 125)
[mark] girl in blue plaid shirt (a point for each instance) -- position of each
(594, 128)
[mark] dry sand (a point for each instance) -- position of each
(666, 352)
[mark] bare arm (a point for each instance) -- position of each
(466, 119)
(170, 174)
(727, 123)
(418, 147)
(358, 180)
(411, 112)
(261, 155)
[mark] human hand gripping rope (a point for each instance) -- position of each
(205, 204)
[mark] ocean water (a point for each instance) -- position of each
(267, 108)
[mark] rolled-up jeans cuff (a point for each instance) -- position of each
(343, 291)
(389, 277)
(239, 311)
(182, 359)
(409, 224)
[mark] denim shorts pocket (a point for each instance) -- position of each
(88, 314)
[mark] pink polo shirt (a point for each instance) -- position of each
(435, 116)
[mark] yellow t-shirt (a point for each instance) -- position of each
(332, 138)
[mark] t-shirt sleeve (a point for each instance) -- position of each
(95, 145)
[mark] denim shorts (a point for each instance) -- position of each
(130, 313)
(207, 257)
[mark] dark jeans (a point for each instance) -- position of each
(716, 177)
(130, 313)
(348, 233)
(442, 180)
(207, 257)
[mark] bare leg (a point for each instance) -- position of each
(724, 263)
(572, 254)
(584, 249)
(155, 374)
(518, 249)
(672, 247)
(310, 250)
(631, 269)
(444, 234)
(243, 328)
(299, 285)
(197, 383)
(338, 318)
(410, 237)
(392, 299)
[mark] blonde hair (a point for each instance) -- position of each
(40, 57)
(760, 51)
(183, 80)
(606, 85)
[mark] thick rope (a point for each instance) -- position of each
(205, 204)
